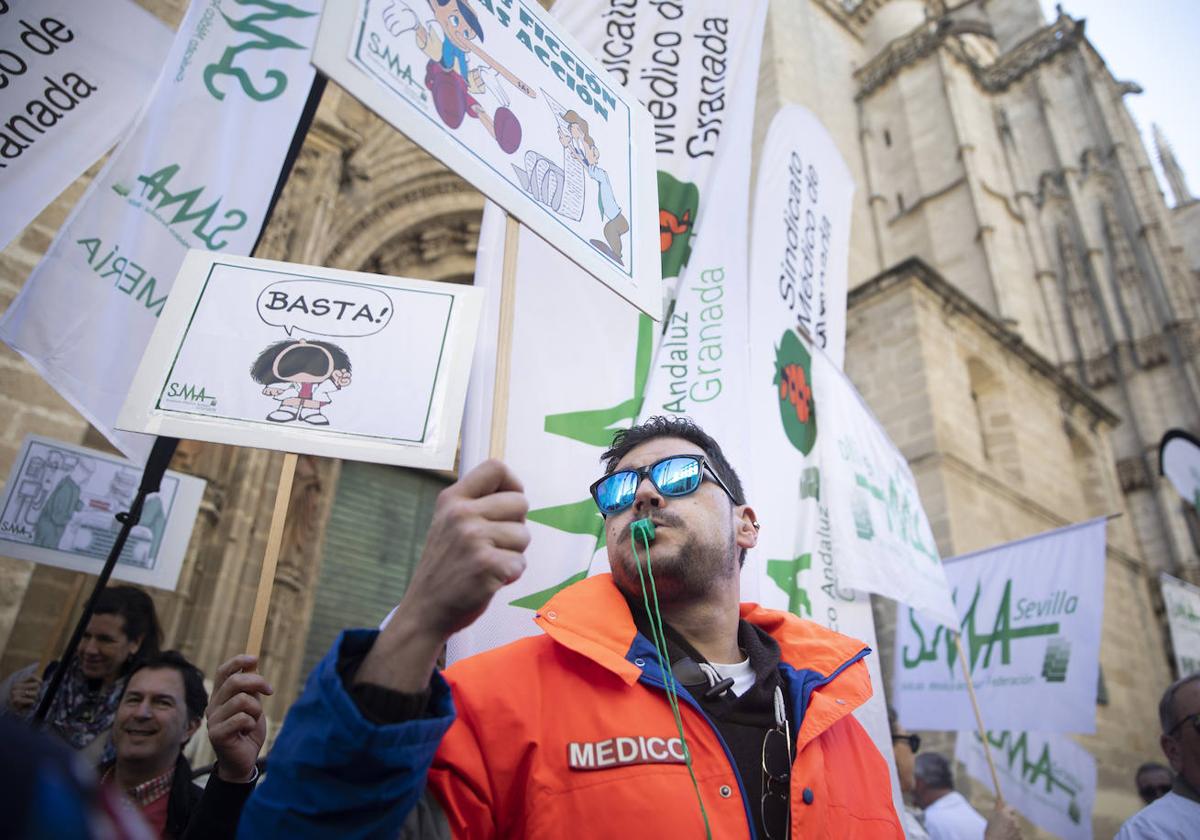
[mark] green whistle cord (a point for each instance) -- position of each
(660, 648)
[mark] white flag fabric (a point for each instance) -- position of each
(701, 363)
(801, 233)
(821, 458)
(68, 95)
(197, 171)
(690, 71)
(1049, 778)
(1030, 613)
(581, 356)
(1182, 600)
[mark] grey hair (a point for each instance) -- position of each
(1166, 706)
(934, 770)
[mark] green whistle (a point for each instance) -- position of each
(644, 529)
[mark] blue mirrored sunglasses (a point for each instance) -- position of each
(677, 475)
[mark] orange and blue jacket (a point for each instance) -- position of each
(570, 734)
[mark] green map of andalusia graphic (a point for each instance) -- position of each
(786, 574)
(793, 381)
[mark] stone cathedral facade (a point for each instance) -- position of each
(1024, 318)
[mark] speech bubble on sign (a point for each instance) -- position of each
(340, 310)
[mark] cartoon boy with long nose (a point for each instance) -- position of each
(302, 375)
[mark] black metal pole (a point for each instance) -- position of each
(156, 465)
(289, 160)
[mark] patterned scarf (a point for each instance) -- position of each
(80, 713)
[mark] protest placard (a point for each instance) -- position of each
(60, 504)
(503, 94)
(1030, 614)
(311, 360)
(66, 95)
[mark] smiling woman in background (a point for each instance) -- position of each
(123, 629)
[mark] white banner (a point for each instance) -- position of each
(831, 467)
(507, 98)
(1031, 614)
(1182, 601)
(59, 509)
(1049, 778)
(198, 171)
(801, 233)
(299, 358)
(72, 77)
(690, 71)
(701, 364)
(594, 348)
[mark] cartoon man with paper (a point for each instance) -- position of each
(615, 224)
(62, 505)
(558, 185)
(451, 81)
(302, 375)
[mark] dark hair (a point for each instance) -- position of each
(934, 770)
(679, 427)
(893, 718)
(1149, 766)
(1166, 706)
(302, 360)
(468, 15)
(136, 609)
(195, 695)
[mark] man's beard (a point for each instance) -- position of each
(686, 573)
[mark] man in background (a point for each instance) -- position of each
(159, 712)
(1153, 781)
(1177, 813)
(948, 815)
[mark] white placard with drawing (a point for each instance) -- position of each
(60, 506)
(310, 360)
(502, 94)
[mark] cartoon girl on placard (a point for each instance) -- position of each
(302, 376)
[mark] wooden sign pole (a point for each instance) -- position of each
(266, 579)
(987, 749)
(512, 233)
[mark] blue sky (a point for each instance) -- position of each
(1154, 43)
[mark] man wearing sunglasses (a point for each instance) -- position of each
(1176, 815)
(574, 732)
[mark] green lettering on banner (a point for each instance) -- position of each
(262, 39)
(594, 427)
(129, 277)
(1002, 633)
(1014, 753)
(903, 513)
(155, 188)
